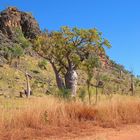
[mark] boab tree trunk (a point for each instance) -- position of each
(71, 79)
(59, 80)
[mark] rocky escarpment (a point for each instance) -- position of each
(12, 19)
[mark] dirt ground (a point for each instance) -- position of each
(127, 132)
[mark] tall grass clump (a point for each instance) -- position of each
(42, 112)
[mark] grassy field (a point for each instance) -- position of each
(44, 117)
(13, 80)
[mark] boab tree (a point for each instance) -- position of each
(66, 49)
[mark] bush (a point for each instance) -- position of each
(43, 64)
(65, 93)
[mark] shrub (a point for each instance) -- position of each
(43, 64)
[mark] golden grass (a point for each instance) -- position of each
(50, 113)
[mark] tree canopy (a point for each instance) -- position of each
(67, 48)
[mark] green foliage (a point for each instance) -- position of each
(69, 47)
(24, 43)
(37, 84)
(89, 64)
(82, 94)
(137, 82)
(64, 93)
(6, 52)
(105, 78)
(14, 52)
(107, 43)
(43, 64)
(17, 49)
(119, 67)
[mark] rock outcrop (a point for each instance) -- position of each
(12, 18)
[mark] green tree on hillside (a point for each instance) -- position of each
(89, 64)
(21, 40)
(15, 53)
(66, 50)
(18, 48)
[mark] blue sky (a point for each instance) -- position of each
(119, 20)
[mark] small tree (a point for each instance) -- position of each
(14, 52)
(18, 48)
(89, 64)
(21, 40)
(43, 64)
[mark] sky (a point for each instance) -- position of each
(118, 20)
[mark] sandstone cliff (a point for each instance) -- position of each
(12, 18)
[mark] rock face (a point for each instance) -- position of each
(12, 18)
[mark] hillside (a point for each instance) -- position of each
(61, 85)
(12, 19)
(115, 77)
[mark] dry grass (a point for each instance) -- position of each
(49, 116)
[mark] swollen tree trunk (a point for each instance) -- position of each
(28, 84)
(59, 80)
(71, 79)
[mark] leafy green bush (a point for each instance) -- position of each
(43, 64)
(65, 93)
(24, 43)
(14, 52)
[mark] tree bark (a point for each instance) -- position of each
(28, 84)
(132, 86)
(89, 93)
(96, 95)
(59, 80)
(71, 79)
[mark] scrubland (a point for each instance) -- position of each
(53, 117)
